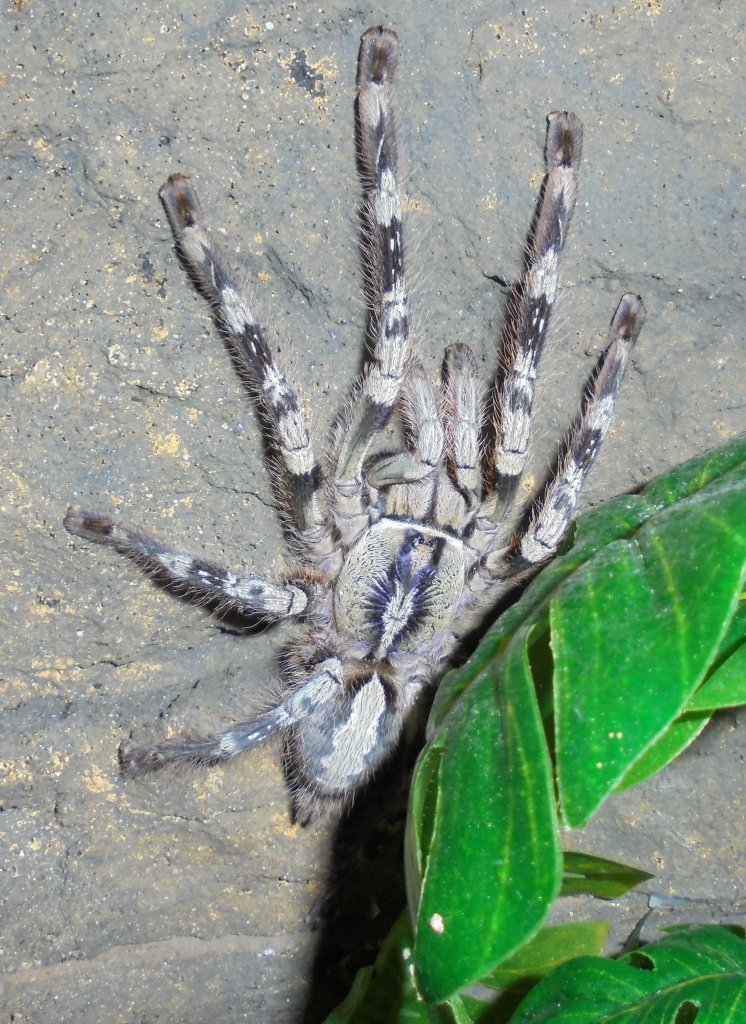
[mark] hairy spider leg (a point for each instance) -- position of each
(411, 476)
(528, 319)
(244, 593)
(301, 478)
(461, 401)
(503, 567)
(376, 393)
(551, 516)
(204, 750)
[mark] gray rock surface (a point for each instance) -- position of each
(186, 898)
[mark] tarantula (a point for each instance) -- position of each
(400, 550)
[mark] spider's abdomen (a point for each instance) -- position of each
(398, 585)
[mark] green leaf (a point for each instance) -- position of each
(493, 866)
(623, 628)
(423, 809)
(595, 876)
(630, 649)
(549, 948)
(736, 635)
(726, 687)
(703, 969)
(674, 740)
(695, 475)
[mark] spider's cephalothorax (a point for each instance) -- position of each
(399, 553)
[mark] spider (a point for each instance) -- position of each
(402, 547)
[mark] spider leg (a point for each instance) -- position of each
(528, 320)
(300, 474)
(461, 402)
(410, 474)
(505, 566)
(423, 434)
(377, 392)
(420, 414)
(551, 518)
(338, 729)
(246, 594)
(204, 750)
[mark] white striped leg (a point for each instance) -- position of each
(246, 594)
(528, 320)
(462, 414)
(423, 431)
(502, 567)
(410, 475)
(204, 750)
(551, 519)
(377, 392)
(278, 403)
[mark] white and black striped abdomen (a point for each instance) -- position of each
(398, 585)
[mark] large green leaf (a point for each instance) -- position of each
(692, 972)
(724, 687)
(633, 633)
(674, 740)
(493, 865)
(637, 612)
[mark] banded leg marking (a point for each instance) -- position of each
(280, 409)
(528, 322)
(379, 387)
(204, 750)
(552, 517)
(506, 563)
(462, 413)
(247, 594)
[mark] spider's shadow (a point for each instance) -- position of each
(365, 892)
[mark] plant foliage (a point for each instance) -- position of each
(611, 662)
